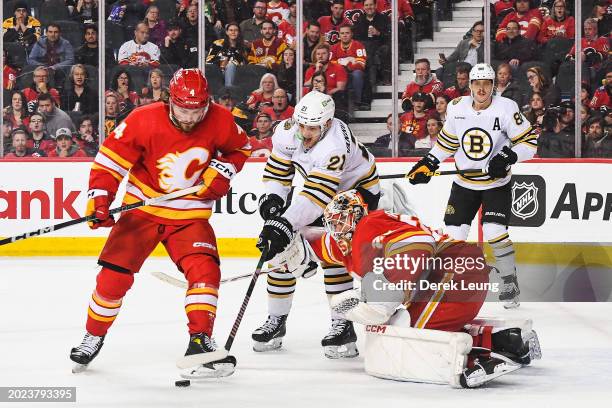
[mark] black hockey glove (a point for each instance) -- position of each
(418, 173)
(501, 162)
(276, 234)
(270, 205)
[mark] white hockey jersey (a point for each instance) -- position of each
(337, 163)
(133, 53)
(475, 137)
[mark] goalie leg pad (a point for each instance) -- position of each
(417, 355)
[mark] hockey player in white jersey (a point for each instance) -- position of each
(487, 133)
(329, 158)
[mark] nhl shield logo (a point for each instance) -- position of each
(524, 200)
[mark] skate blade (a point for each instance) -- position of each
(220, 369)
(348, 350)
(512, 304)
(79, 368)
(535, 352)
(274, 344)
(480, 377)
(200, 359)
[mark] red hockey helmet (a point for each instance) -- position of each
(189, 89)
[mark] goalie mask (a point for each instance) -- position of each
(342, 215)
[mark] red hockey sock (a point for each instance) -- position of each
(111, 287)
(203, 275)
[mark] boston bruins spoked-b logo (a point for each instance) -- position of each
(476, 143)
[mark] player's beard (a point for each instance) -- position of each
(182, 125)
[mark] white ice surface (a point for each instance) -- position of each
(43, 305)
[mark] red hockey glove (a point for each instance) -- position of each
(216, 177)
(98, 202)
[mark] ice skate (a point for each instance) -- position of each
(340, 341)
(85, 352)
(516, 346)
(486, 369)
(270, 335)
(200, 345)
(510, 292)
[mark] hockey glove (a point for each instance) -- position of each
(275, 236)
(216, 177)
(270, 205)
(501, 162)
(98, 202)
(419, 173)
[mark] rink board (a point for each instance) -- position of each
(562, 205)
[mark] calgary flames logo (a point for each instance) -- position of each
(181, 169)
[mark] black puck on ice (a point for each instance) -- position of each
(182, 383)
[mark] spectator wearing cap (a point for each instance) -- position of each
(515, 49)
(268, 50)
(462, 84)
(351, 54)
(603, 17)
(602, 96)
(78, 96)
(64, 145)
(40, 84)
(335, 74)
(261, 142)
(52, 51)
(87, 137)
(413, 124)
(55, 118)
(526, 16)
(251, 27)
(139, 52)
(330, 25)
(598, 140)
(39, 138)
(424, 81)
(22, 28)
(558, 25)
(19, 138)
(177, 49)
(280, 108)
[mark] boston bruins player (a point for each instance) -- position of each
(329, 158)
(484, 132)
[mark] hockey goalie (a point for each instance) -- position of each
(419, 299)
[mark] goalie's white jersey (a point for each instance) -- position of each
(338, 162)
(475, 137)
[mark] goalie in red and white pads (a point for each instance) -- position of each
(439, 339)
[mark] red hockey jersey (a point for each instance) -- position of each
(157, 158)
(331, 29)
(600, 98)
(434, 87)
(342, 55)
(529, 23)
(556, 29)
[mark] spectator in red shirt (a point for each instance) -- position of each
(594, 49)
(17, 112)
(286, 28)
(462, 84)
(65, 147)
(280, 108)
(9, 74)
(330, 25)
(334, 73)
(601, 97)
(263, 95)
(39, 139)
(558, 25)
(20, 137)
(413, 124)
(40, 85)
(424, 81)
(528, 18)
(351, 54)
(261, 142)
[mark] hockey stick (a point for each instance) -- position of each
(204, 358)
(179, 283)
(123, 208)
(473, 173)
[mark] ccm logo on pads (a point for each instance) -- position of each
(374, 328)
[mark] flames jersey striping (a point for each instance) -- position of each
(475, 137)
(355, 50)
(338, 162)
(157, 158)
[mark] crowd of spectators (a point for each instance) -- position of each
(51, 71)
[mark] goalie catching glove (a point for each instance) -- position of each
(216, 178)
(98, 203)
(419, 173)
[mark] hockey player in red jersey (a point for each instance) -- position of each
(441, 282)
(161, 148)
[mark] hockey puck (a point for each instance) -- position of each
(182, 383)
